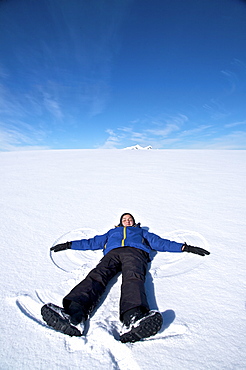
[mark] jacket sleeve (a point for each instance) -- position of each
(98, 242)
(162, 245)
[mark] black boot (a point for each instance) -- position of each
(141, 325)
(58, 319)
(133, 315)
(76, 313)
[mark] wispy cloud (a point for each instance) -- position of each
(195, 131)
(164, 128)
(216, 109)
(113, 141)
(52, 106)
(91, 37)
(16, 138)
(143, 135)
(232, 80)
(176, 134)
(22, 116)
(235, 140)
(234, 75)
(93, 95)
(63, 73)
(221, 106)
(37, 102)
(166, 131)
(9, 105)
(234, 124)
(131, 134)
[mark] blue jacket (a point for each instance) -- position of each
(130, 236)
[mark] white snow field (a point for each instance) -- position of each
(193, 196)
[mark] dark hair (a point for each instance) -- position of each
(127, 213)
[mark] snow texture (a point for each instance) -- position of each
(192, 196)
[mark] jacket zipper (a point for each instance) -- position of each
(124, 237)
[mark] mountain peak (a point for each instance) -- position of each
(138, 147)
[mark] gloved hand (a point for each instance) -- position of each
(61, 247)
(196, 250)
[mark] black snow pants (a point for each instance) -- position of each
(132, 262)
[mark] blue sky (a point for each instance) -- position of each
(78, 74)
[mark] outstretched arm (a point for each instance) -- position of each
(165, 245)
(97, 242)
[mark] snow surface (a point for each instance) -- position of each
(193, 196)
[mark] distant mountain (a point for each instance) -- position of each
(138, 147)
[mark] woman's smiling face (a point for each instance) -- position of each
(127, 220)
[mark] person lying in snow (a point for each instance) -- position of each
(126, 250)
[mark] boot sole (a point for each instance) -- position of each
(148, 326)
(58, 323)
